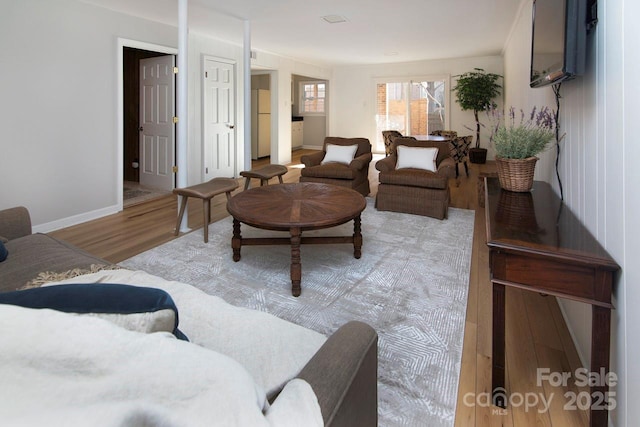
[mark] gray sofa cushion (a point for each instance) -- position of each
(36, 253)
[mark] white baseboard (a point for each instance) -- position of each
(76, 219)
(573, 336)
(579, 349)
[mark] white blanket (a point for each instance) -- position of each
(58, 369)
(271, 349)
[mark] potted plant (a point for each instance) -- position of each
(518, 142)
(475, 90)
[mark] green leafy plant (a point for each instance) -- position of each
(475, 90)
(524, 137)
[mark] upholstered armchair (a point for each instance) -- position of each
(389, 136)
(351, 172)
(460, 151)
(459, 147)
(415, 189)
(447, 133)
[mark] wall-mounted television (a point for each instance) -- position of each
(558, 41)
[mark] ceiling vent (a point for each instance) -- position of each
(334, 19)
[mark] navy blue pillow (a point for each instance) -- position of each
(95, 298)
(4, 253)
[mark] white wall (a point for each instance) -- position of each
(353, 94)
(58, 80)
(598, 171)
(58, 115)
(60, 127)
(518, 94)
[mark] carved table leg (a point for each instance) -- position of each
(498, 356)
(600, 343)
(357, 238)
(296, 267)
(236, 240)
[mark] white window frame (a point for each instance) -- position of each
(301, 97)
(411, 79)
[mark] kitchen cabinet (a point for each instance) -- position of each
(297, 134)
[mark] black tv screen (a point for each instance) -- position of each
(558, 40)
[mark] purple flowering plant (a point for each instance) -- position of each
(518, 136)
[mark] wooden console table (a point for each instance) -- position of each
(537, 244)
(485, 170)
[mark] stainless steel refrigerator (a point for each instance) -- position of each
(260, 123)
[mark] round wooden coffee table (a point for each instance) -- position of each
(296, 208)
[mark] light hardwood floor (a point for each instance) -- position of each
(536, 334)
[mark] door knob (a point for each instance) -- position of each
(230, 126)
(141, 129)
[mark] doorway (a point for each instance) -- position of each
(261, 115)
(308, 128)
(139, 187)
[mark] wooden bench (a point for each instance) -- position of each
(205, 191)
(264, 174)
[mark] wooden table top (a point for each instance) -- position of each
(306, 205)
(435, 138)
(537, 222)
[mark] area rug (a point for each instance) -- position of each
(410, 284)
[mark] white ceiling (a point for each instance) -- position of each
(375, 32)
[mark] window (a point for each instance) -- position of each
(394, 91)
(312, 97)
(412, 107)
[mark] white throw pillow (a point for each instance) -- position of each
(340, 153)
(417, 158)
(148, 322)
(134, 308)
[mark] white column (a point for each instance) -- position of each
(247, 94)
(182, 113)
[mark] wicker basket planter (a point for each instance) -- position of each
(516, 174)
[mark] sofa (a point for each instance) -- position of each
(30, 254)
(415, 190)
(351, 172)
(257, 368)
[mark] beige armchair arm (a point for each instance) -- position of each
(387, 164)
(447, 168)
(343, 375)
(312, 159)
(361, 161)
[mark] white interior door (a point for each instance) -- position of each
(219, 119)
(157, 130)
